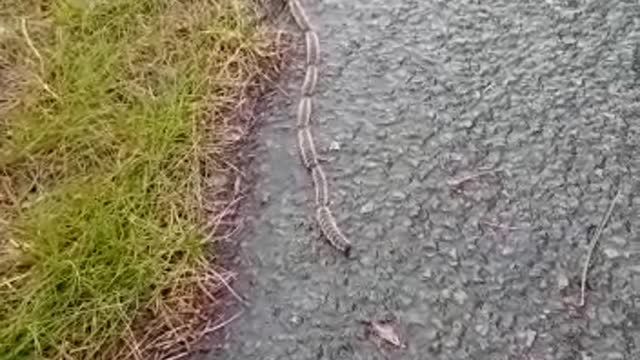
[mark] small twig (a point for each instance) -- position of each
(134, 346)
(213, 225)
(235, 168)
(592, 246)
(33, 48)
(204, 289)
(209, 330)
(180, 355)
(8, 282)
(25, 33)
(229, 288)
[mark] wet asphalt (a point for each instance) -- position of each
(472, 148)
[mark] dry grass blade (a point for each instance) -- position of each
(224, 323)
(229, 288)
(25, 33)
(592, 247)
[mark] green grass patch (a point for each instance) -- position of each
(103, 111)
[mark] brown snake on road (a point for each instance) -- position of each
(306, 145)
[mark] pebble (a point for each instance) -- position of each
(543, 284)
(296, 320)
(611, 253)
(507, 250)
(482, 328)
(414, 210)
(446, 294)
(453, 254)
(367, 208)
(465, 124)
(563, 281)
(398, 195)
(530, 336)
(460, 296)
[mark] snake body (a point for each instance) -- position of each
(306, 146)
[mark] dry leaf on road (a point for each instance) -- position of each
(386, 332)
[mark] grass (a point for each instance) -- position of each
(112, 113)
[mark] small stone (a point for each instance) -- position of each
(295, 320)
(530, 337)
(457, 328)
(611, 253)
(563, 281)
(451, 342)
(427, 273)
(482, 329)
(414, 162)
(507, 250)
(398, 195)
(465, 124)
(414, 211)
(544, 284)
(366, 208)
(446, 293)
(430, 244)
(460, 296)
(453, 253)
(435, 347)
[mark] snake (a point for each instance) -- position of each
(306, 145)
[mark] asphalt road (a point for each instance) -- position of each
(473, 148)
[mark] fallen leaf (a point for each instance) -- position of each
(386, 332)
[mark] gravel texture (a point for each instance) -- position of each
(472, 149)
